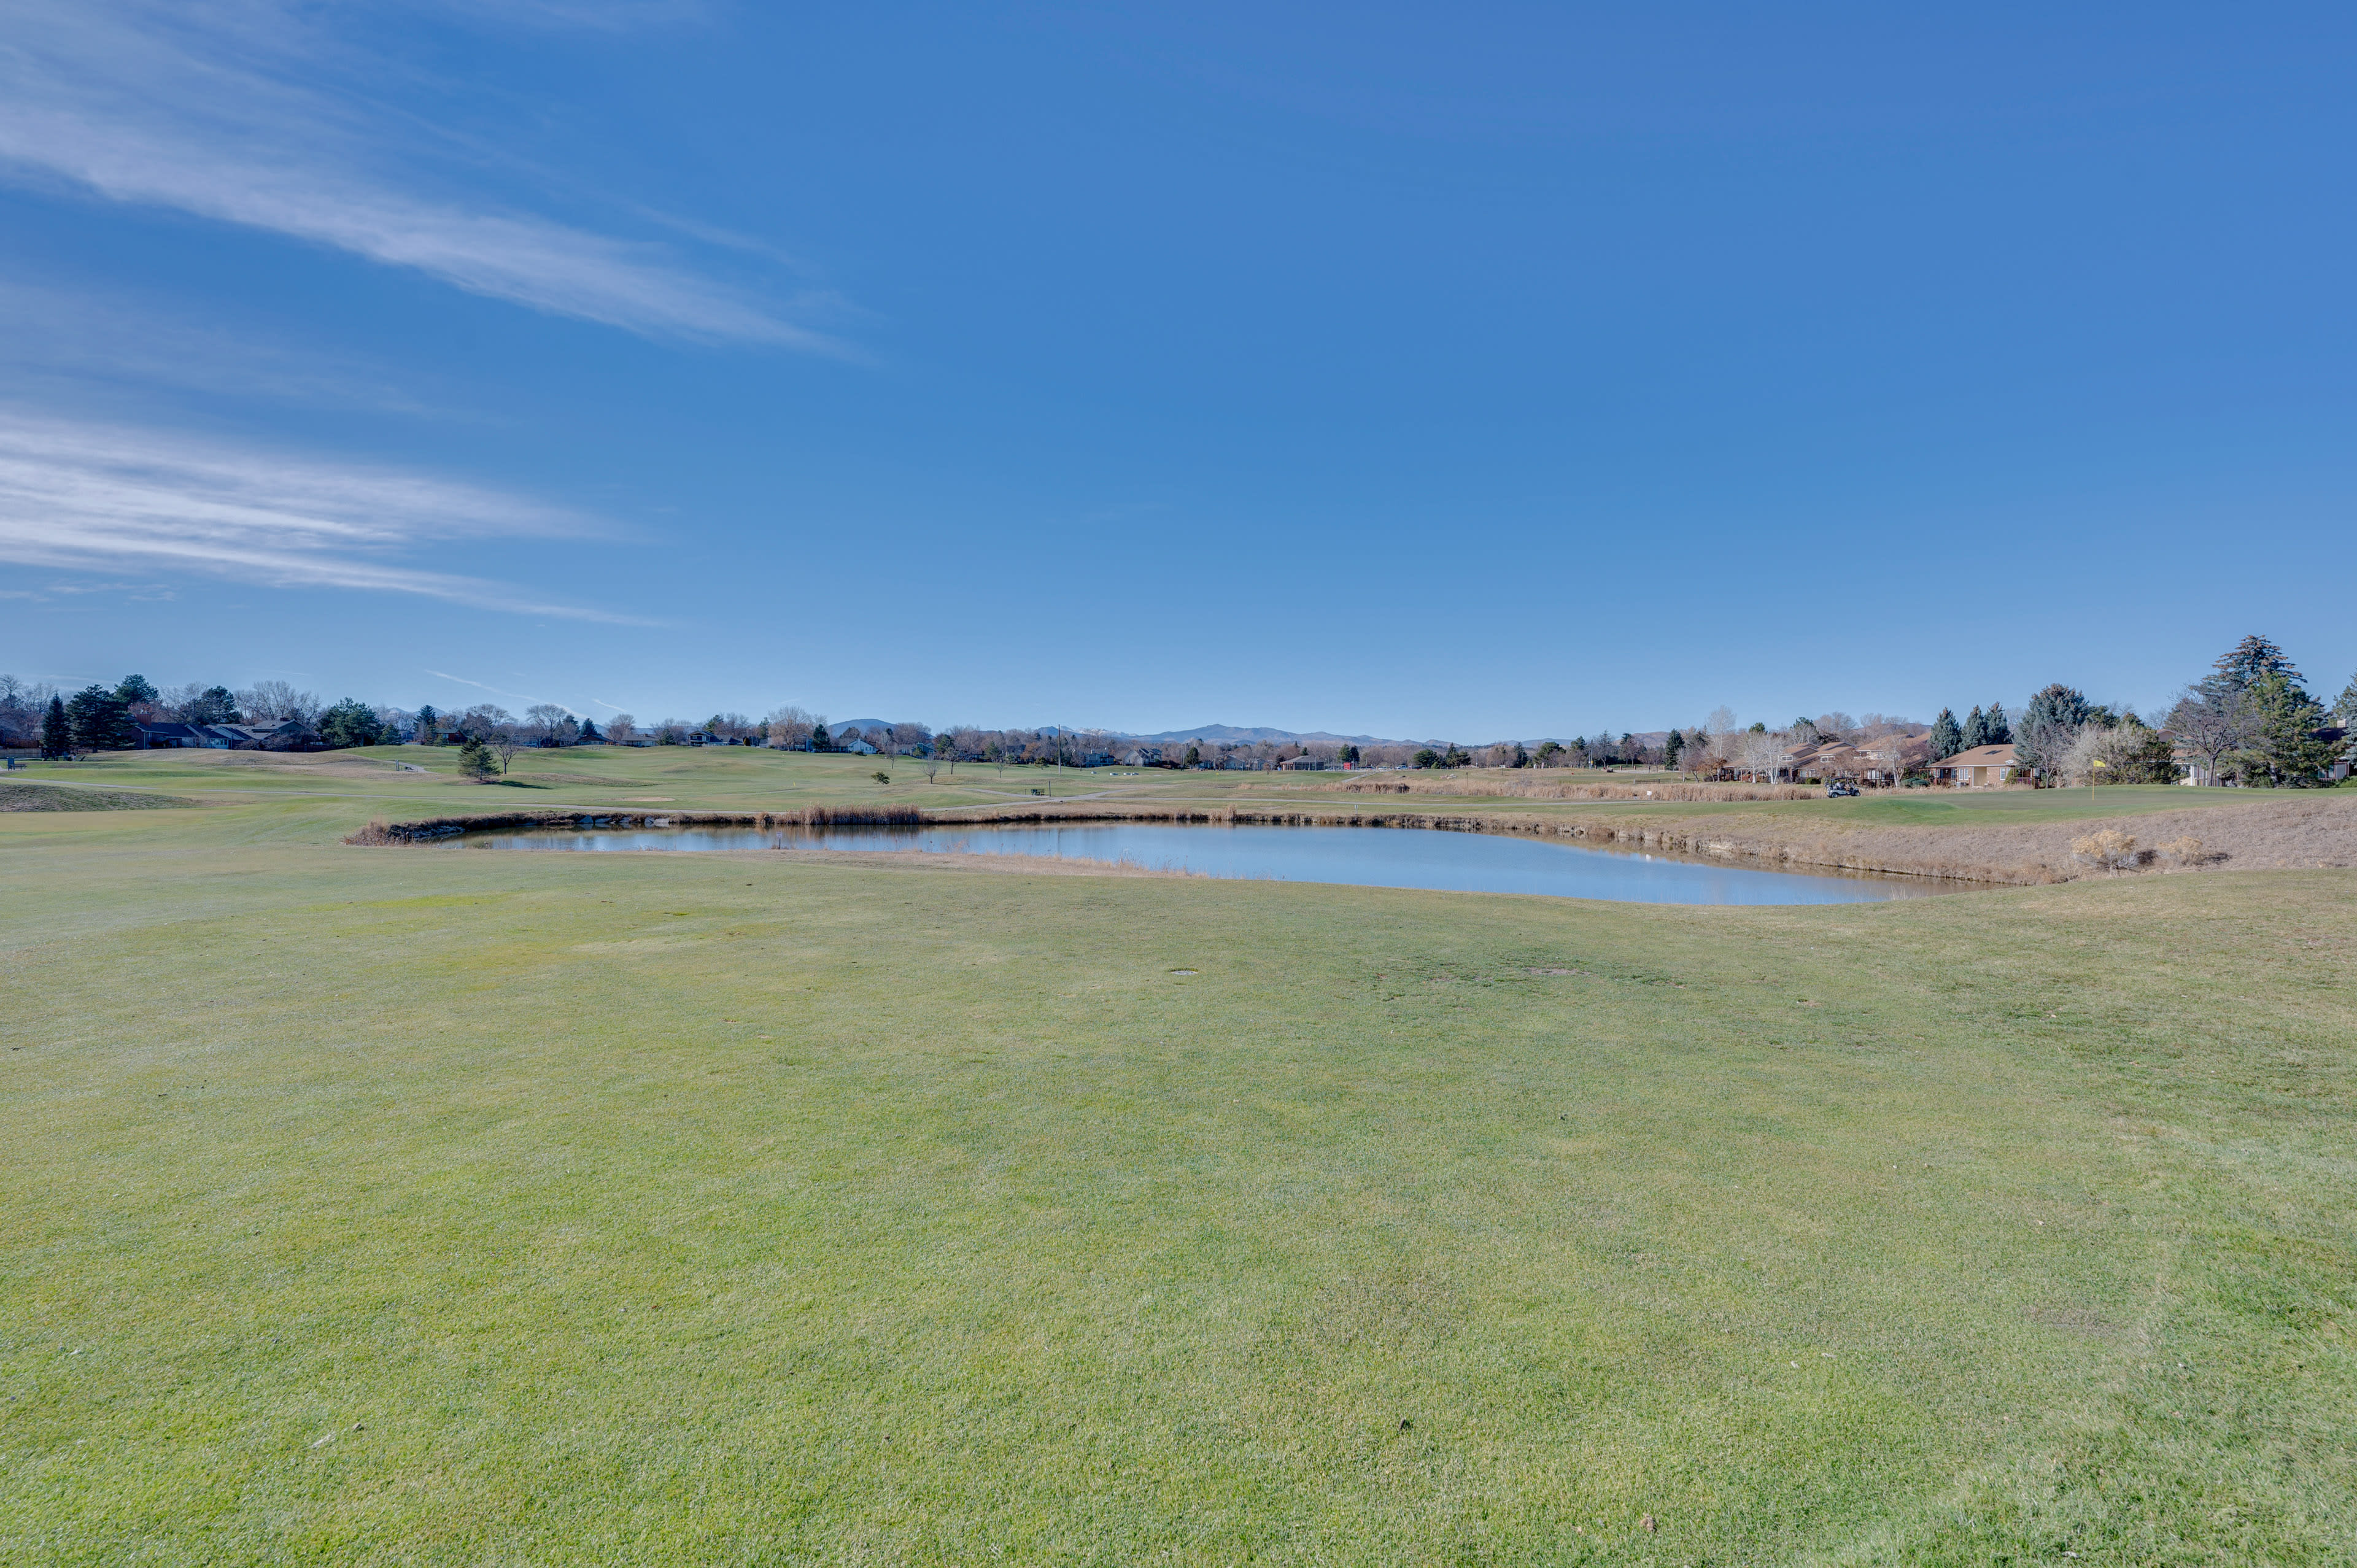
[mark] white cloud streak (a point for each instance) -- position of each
(89, 497)
(71, 335)
(207, 108)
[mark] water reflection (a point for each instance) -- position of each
(1374, 858)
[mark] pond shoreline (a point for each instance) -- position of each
(1698, 846)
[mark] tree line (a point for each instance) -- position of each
(107, 718)
(2250, 720)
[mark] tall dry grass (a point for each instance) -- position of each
(1519, 785)
(2297, 832)
(432, 828)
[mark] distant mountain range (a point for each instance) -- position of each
(1243, 735)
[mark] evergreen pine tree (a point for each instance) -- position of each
(56, 732)
(589, 736)
(102, 720)
(2253, 657)
(215, 706)
(350, 723)
(1671, 747)
(2288, 719)
(2055, 717)
(1947, 738)
(1995, 729)
(1975, 730)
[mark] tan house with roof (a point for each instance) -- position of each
(1981, 768)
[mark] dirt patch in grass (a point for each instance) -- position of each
(16, 797)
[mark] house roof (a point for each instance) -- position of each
(1981, 756)
(178, 730)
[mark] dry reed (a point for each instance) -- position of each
(1526, 787)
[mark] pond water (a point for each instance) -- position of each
(1373, 857)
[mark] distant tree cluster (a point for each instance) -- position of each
(100, 718)
(2251, 720)
(1877, 747)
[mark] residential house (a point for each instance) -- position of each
(1888, 758)
(1830, 761)
(180, 736)
(1799, 763)
(1982, 768)
(288, 735)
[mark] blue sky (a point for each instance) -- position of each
(1469, 371)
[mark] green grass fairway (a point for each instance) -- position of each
(408, 780)
(442, 1206)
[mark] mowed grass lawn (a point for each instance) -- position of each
(437, 1204)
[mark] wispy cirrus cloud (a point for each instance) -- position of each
(85, 497)
(73, 335)
(215, 107)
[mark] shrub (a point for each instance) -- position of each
(2107, 848)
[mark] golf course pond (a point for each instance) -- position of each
(1373, 857)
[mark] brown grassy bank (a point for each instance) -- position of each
(15, 797)
(1494, 782)
(433, 828)
(2297, 832)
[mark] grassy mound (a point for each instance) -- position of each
(16, 797)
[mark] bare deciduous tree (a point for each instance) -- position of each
(2213, 719)
(548, 721)
(791, 728)
(275, 701)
